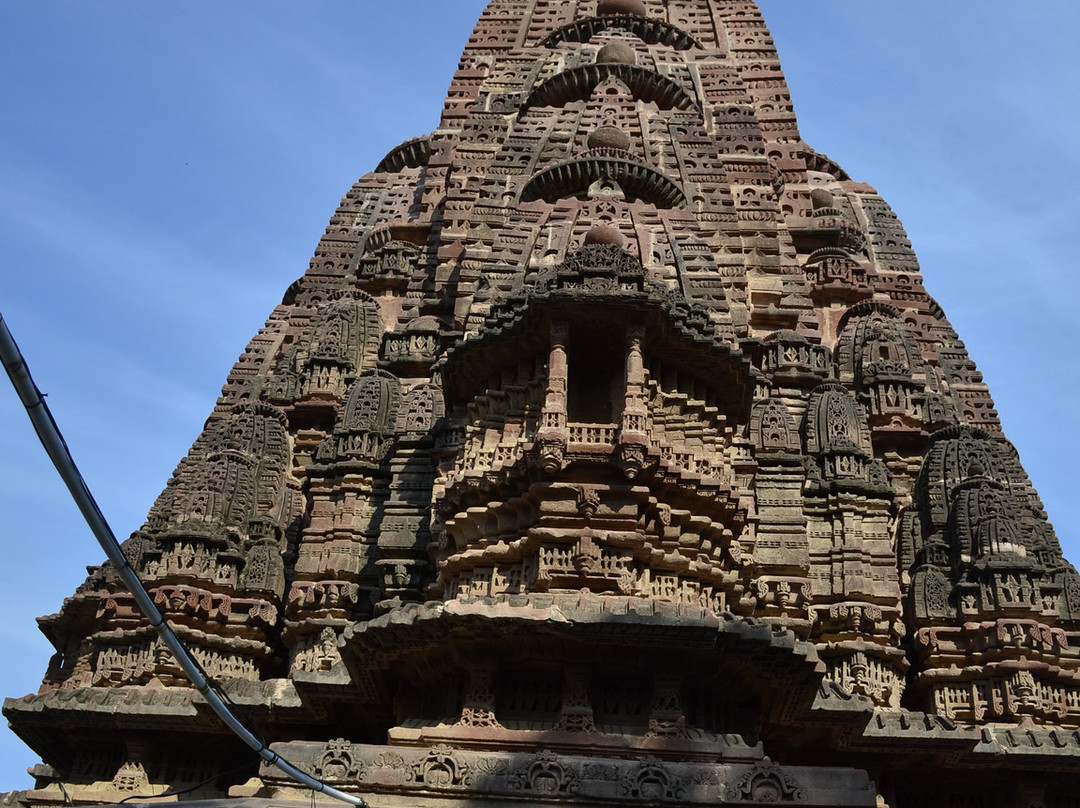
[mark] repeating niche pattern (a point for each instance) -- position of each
(856, 614)
(342, 340)
(880, 359)
(609, 420)
(365, 429)
(211, 556)
(987, 583)
(422, 410)
(233, 477)
(837, 436)
(772, 429)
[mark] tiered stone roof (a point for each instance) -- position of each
(609, 451)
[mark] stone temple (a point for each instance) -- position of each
(610, 452)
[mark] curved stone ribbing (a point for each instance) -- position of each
(610, 451)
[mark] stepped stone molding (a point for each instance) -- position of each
(611, 451)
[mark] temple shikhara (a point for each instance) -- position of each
(611, 452)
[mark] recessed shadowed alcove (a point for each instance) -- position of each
(595, 371)
(610, 452)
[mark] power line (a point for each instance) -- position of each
(53, 441)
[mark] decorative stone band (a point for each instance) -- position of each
(650, 31)
(578, 84)
(544, 775)
(637, 180)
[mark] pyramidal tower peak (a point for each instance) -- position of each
(611, 451)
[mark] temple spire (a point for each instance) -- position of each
(611, 450)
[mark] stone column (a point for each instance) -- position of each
(552, 435)
(633, 435)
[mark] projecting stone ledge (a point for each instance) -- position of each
(582, 615)
(138, 707)
(926, 735)
(98, 715)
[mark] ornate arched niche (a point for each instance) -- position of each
(591, 422)
(957, 454)
(879, 358)
(365, 427)
(837, 436)
(421, 411)
(772, 429)
(233, 479)
(341, 341)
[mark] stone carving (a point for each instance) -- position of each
(131, 778)
(234, 475)
(365, 427)
(479, 709)
(767, 782)
(341, 341)
(651, 781)
(610, 443)
(317, 652)
(421, 410)
(987, 577)
(414, 349)
(577, 710)
(440, 768)
(338, 763)
(879, 357)
(772, 429)
(546, 775)
(834, 423)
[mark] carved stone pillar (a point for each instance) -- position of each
(479, 708)
(666, 717)
(552, 435)
(577, 711)
(633, 436)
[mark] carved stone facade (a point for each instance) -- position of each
(611, 451)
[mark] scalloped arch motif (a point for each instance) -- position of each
(373, 403)
(410, 154)
(834, 420)
(575, 177)
(649, 31)
(578, 83)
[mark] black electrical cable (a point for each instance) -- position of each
(51, 438)
(189, 789)
(236, 709)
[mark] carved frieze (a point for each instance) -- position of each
(609, 442)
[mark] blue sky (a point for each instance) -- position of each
(167, 169)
